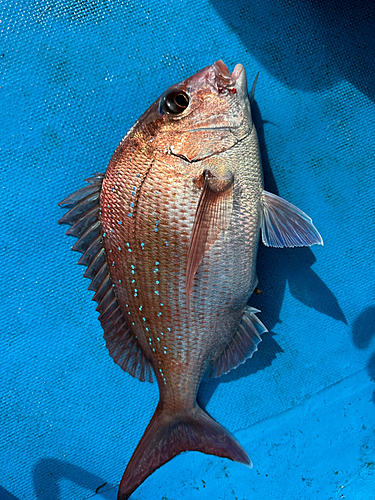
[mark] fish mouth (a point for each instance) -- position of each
(225, 80)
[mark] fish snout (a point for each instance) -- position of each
(226, 81)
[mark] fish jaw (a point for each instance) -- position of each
(220, 79)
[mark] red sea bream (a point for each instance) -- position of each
(170, 236)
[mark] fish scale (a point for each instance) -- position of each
(164, 207)
(170, 235)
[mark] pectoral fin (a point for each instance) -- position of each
(285, 225)
(213, 214)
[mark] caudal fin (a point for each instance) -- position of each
(169, 434)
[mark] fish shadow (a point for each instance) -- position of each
(262, 358)
(49, 472)
(277, 267)
(5, 495)
(308, 45)
(363, 331)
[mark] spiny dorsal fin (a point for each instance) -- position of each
(243, 345)
(213, 214)
(83, 217)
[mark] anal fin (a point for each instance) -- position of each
(242, 346)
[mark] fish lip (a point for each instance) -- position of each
(238, 69)
(222, 77)
(239, 75)
(237, 80)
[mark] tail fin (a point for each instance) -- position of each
(169, 434)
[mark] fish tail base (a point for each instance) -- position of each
(169, 434)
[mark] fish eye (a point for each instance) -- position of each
(174, 103)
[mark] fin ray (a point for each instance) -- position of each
(213, 214)
(167, 435)
(285, 225)
(242, 346)
(77, 196)
(80, 208)
(83, 217)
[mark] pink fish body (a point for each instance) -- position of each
(170, 236)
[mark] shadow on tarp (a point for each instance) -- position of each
(48, 472)
(308, 45)
(363, 331)
(5, 495)
(275, 268)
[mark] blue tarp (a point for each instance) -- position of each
(75, 75)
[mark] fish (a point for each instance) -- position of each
(169, 235)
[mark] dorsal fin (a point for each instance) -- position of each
(83, 217)
(243, 344)
(213, 214)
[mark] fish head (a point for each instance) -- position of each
(203, 115)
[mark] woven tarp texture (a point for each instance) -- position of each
(75, 76)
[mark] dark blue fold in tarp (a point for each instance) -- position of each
(74, 77)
